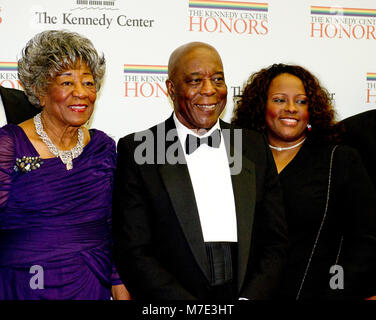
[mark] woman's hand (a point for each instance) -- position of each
(120, 292)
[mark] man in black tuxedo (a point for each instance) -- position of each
(197, 210)
(16, 105)
(360, 133)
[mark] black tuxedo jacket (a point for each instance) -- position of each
(159, 249)
(17, 106)
(360, 133)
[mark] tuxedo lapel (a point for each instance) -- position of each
(179, 187)
(8, 103)
(16, 105)
(244, 188)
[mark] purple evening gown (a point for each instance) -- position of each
(55, 224)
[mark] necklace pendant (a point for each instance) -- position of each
(69, 165)
(66, 157)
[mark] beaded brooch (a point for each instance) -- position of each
(26, 164)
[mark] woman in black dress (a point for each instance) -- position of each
(329, 199)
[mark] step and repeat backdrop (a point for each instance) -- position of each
(335, 40)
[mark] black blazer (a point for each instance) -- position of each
(17, 106)
(360, 133)
(159, 249)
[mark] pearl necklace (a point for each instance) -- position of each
(287, 148)
(66, 157)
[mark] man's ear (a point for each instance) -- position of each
(170, 89)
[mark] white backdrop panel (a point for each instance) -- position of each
(339, 49)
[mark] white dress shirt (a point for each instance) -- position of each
(211, 179)
(3, 118)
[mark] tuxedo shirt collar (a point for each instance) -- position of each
(183, 131)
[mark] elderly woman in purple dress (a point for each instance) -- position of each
(56, 179)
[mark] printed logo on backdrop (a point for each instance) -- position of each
(1, 19)
(228, 17)
(343, 23)
(94, 13)
(9, 75)
(95, 4)
(145, 81)
(371, 87)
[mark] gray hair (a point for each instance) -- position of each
(51, 52)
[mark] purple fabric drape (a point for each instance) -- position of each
(56, 219)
